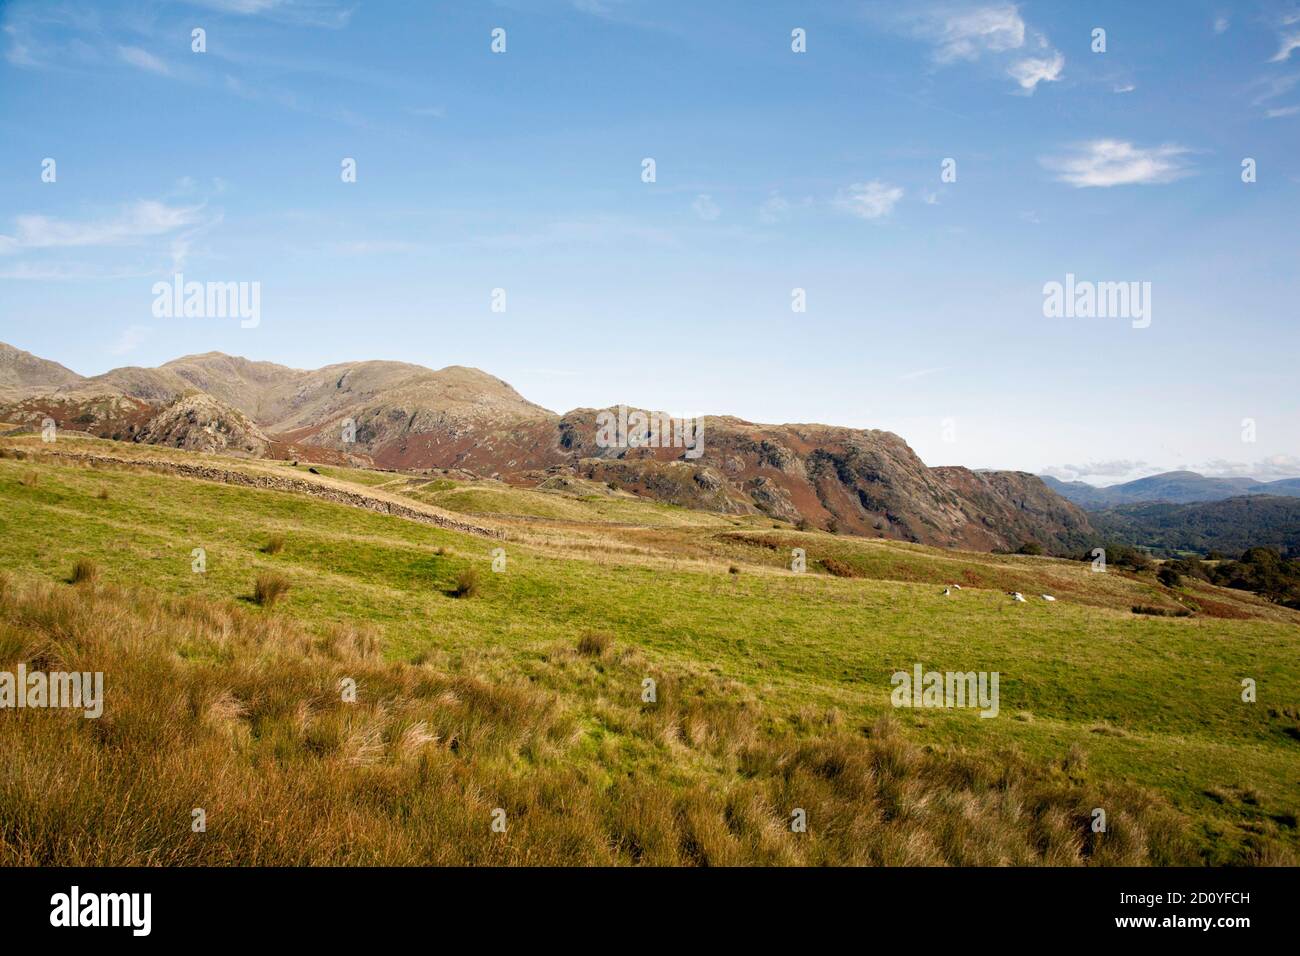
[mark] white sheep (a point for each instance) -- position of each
(1017, 596)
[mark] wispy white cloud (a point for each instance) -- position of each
(963, 32)
(1268, 468)
(142, 59)
(1103, 472)
(71, 37)
(19, 51)
(70, 272)
(1110, 162)
(870, 200)
(1031, 71)
(776, 208)
(137, 221)
(1288, 38)
(1271, 88)
(1221, 24)
(1124, 88)
(317, 13)
(968, 34)
(600, 8)
(1120, 470)
(130, 339)
(706, 208)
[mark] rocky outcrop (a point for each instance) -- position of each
(199, 422)
(853, 481)
(104, 415)
(1020, 508)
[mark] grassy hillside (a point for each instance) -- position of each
(772, 688)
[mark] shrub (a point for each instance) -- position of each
(275, 545)
(466, 584)
(269, 588)
(1191, 567)
(1263, 571)
(84, 571)
(594, 644)
(733, 570)
(1168, 576)
(1030, 547)
(1130, 558)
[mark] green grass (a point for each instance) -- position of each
(496, 499)
(1153, 701)
(356, 476)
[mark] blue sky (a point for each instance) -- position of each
(775, 170)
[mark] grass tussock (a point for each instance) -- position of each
(274, 544)
(268, 588)
(466, 585)
(84, 571)
(594, 644)
(102, 494)
(210, 706)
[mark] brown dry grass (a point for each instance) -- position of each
(269, 587)
(84, 571)
(594, 644)
(213, 706)
(841, 569)
(466, 584)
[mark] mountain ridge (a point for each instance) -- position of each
(1171, 487)
(397, 415)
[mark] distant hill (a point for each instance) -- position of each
(21, 371)
(1230, 526)
(1173, 487)
(402, 416)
